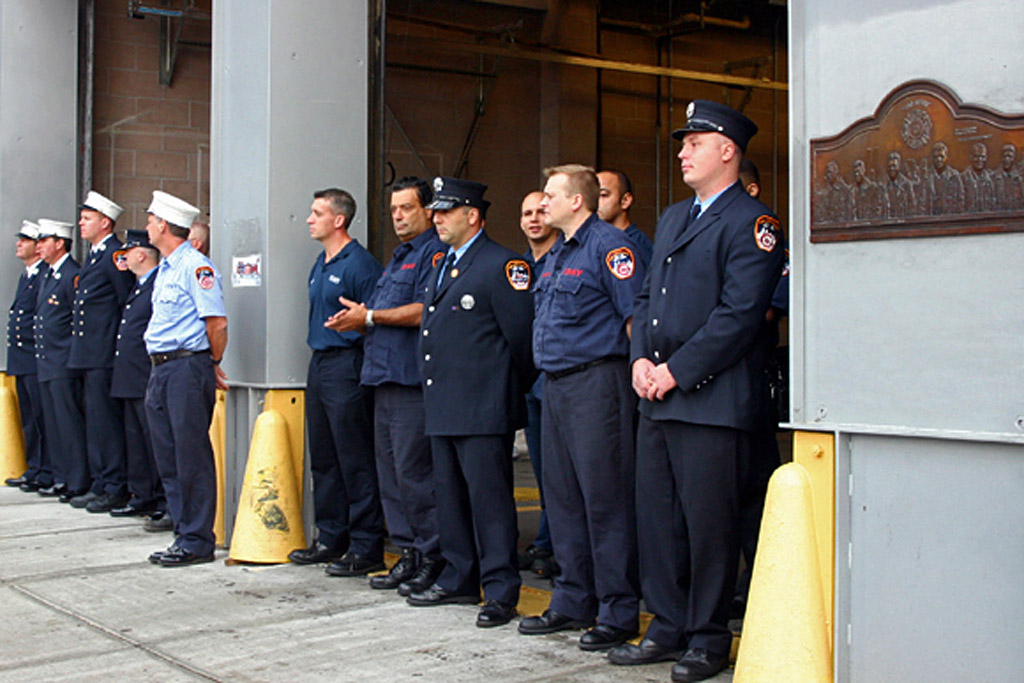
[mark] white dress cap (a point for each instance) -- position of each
(173, 210)
(97, 202)
(29, 230)
(50, 228)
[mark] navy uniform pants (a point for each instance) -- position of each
(104, 434)
(476, 511)
(179, 406)
(687, 495)
(589, 465)
(65, 431)
(405, 469)
(339, 418)
(143, 478)
(534, 444)
(30, 405)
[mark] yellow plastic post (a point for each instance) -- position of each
(268, 524)
(8, 381)
(784, 637)
(218, 439)
(291, 403)
(815, 452)
(12, 441)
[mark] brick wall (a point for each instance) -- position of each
(147, 136)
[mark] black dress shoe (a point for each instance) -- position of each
(495, 613)
(154, 558)
(550, 622)
(647, 652)
(84, 499)
(53, 490)
(435, 595)
(68, 496)
(402, 570)
(698, 664)
(353, 564)
(315, 553)
(132, 511)
(605, 637)
(30, 486)
(179, 557)
(105, 503)
(16, 481)
(158, 521)
(426, 575)
(531, 554)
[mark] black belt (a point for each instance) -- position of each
(161, 358)
(559, 374)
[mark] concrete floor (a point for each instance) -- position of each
(80, 602)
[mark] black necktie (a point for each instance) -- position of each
(448, 264)
(694, 213)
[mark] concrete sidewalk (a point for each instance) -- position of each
(81, 602)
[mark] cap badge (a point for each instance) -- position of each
(689, 110)
(438, 184)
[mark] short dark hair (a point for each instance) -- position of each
(625, 185)
(748, 172)
(341, 203)
(177, 230)
(423, 189)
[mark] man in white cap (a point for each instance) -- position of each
(21, 361)
(185, 338)
(60, 387)
(100, 293)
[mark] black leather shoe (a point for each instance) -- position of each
(531, 554)
(105, 503)
(16, 481)
(604, 637)
(426, 575)
(68, 496)
(698, 664)
(647, 652)
(154, 558)
(158, 521)
(315, 553)
(179, 557)
(435, 595)
(495, 613)
(84, 499)
(351, 564)
(403, 570)
(30, 486)
(53, 490)
(550, 622)
(131, 511)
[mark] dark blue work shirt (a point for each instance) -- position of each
(583, 297)
(389, 351)
(351, 274)
(644, 245)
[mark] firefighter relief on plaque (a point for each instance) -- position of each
(924, 165)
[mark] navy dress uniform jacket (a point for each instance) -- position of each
(101, 292)
(53, 322)
(702, 306)
(21, 343)
(131, 362)
(475, 344)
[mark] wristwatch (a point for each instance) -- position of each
(369, 318)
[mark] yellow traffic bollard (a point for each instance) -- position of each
(785, 636)
(12, 441)
(268, 524)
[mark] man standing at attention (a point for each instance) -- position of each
(390, 319)
(339, 412)
(476, 367)
(99, 297)
(185, 338)
(613, 207)
(583, 310)
(696, 368)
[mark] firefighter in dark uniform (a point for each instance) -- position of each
(185, 339)
(339, 411)
(583, 308)
(21, 362)
(99, 297)
(60, 388)
(132, 367)
(717, 259)
(476, 366)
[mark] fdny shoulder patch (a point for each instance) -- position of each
(436, 259)
(205, 277)
(621, 262)
(766, 232)
(518, 274)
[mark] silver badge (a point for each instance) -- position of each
(438, 184)
(467, 302)
(689, 110)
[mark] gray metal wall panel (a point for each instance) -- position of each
(904, 334)
(38, 122)
(936, 547)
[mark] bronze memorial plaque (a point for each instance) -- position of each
(924, 165)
